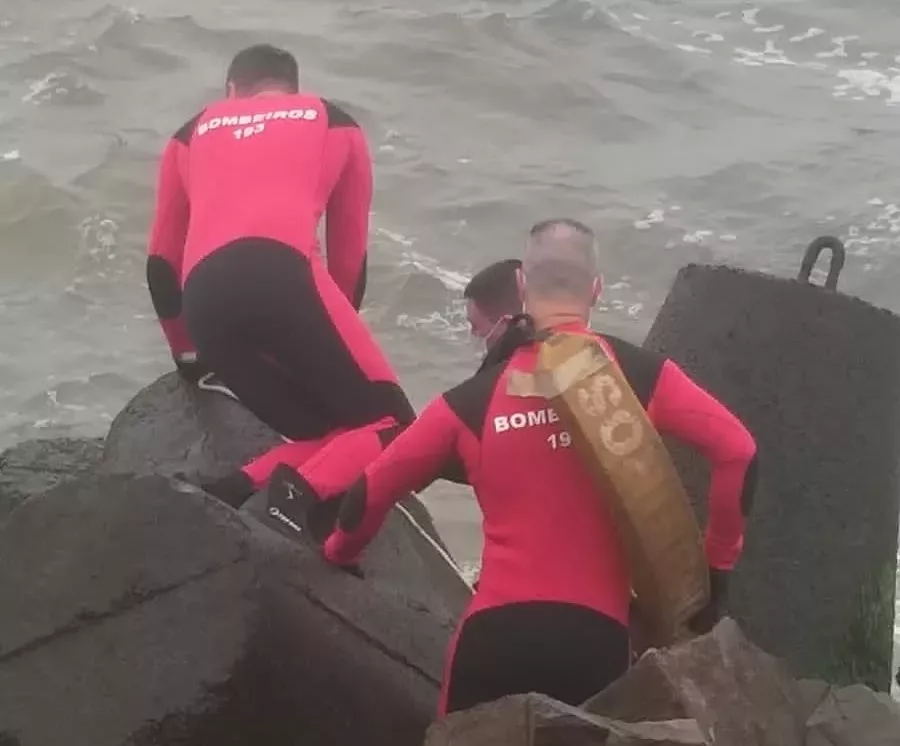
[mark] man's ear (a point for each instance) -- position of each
(230, 90)
(520, 283)
(598, 288)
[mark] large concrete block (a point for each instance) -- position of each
(815, 374)
(139, 612)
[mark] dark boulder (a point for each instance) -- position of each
(34, 466)
(146, 613)
(173, 428)
(536, 720)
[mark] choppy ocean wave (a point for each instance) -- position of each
(681, 130)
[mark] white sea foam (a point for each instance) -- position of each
(769, 55)
(43, 89)
(857, 75)
(449, 278)
(810, 33)
(694, 49)
(654, 217)
(869, 82)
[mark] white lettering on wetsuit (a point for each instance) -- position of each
(534, 418)
(253, 124)
(519, 420)
(276, 513)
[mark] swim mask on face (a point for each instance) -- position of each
(481, 344)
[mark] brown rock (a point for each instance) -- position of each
(536, 720)
(737, 694)
(851, 716)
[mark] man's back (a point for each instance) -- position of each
(548, 535)
(267, 166)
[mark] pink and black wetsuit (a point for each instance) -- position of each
(235, 270)
(551, 610)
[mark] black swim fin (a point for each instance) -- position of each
(289, 502)
(294, 503)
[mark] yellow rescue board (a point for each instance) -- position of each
(633, 471)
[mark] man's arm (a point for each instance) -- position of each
(347, 219)
(166, 247)
(683, 409)
(412, 462)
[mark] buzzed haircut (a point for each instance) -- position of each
(495, 290)
(560, 258)
(264, 63)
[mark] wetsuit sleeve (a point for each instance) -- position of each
(347, 220)
(410, 463)
(166, 247)
(678, 406)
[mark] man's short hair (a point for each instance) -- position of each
(495, 290)
(560, 258)
(263, 63)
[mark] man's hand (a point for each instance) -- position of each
(189, 367)
(707, 618)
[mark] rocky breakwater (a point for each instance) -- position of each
(815, 375)
(716, 690)
(137, 610)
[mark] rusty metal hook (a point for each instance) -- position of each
(811, 255)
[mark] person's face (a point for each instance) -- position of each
(485, 328)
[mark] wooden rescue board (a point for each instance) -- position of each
(633, 472)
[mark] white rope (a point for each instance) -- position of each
(437, 547)
(209, 382)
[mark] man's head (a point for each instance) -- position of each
(262, 68)
(492, 297)
(560, 276)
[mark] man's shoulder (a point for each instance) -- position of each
(642, 367)
(477, 390)
(338, 116)
(186, 131)
(629, 349)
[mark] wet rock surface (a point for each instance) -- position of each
(536, 720)
(850, 716)
(174, 428)
(34, 466)
(147, 613)
(150, 615)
